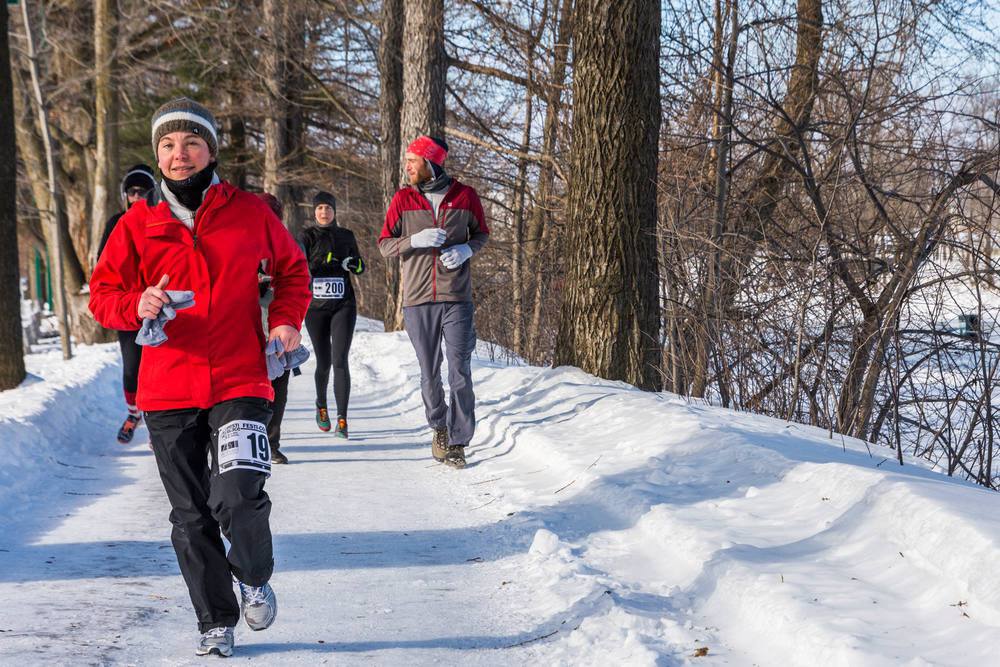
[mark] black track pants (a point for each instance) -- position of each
(280, 386)
(131, 355)
(331, 332)
(206, 505)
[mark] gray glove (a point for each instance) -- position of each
(151, 334)
(455, 256)
(432, 237)
(276, 366)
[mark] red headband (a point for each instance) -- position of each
(428, 149)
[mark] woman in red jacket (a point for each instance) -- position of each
(206, 386)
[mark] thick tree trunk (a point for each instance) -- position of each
(275, 73)
(422, 112)
(11, 344)
(105, 198)
(390, 59)
(424, 68)
(610, 315)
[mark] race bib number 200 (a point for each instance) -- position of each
(328, 288)
(243, 444)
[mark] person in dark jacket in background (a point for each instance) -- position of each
(333, 256)
(137, 184)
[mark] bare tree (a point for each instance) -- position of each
(390, 59)
(53, 231)
(422, 111)
(105, 197)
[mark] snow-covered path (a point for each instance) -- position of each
(380, 555)
(596, 525)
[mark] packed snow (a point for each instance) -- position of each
(596, 524)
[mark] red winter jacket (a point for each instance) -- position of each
(214, 350)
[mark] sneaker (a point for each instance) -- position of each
(341, 428)
(127, 431)
(217, 641)
(278, 457)
(455, 456)
(439, 445)
(322, 419)
(259, 606)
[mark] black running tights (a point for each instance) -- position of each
(331, 333)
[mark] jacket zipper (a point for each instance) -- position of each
(439, 224)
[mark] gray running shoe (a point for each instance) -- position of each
(439, 445)
(217, 641)
(259, 606)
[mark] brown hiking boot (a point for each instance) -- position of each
(439, 445)
(455, 456)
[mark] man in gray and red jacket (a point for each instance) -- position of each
(435, 225)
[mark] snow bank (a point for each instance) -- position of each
(57, 423)
(661, 527)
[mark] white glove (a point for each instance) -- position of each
(456, 256)
(432, 237)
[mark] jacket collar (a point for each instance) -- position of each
(217, 194)
(449, 194)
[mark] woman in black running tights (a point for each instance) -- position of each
(333, 256)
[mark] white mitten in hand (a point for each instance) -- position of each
(456, 256)
(432, 237)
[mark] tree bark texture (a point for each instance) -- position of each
(275, 72)
(11, 344)
(610, 314)
(422, 111)
(390, 59)
(424, 68)
(105, 199)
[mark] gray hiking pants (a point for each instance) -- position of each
(426, 325)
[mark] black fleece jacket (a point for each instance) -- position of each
(325, 248)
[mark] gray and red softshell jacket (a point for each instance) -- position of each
(425, 279)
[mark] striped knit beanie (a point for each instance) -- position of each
(185, 115)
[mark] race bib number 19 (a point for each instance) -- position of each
(328, 288)
(243, 444)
